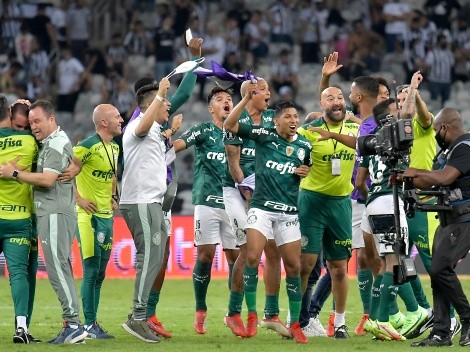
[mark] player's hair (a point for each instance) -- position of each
(402, 87)
(3, 108)
(216, 90)
(19, 108)
(368, 85)
(283, 106)
(142, 87)
(45, 105)
(382, 109)
(382, 81)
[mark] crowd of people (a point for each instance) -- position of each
(306, 194)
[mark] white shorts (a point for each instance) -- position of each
(212, 226)
(381, 206)
(358, 210)
(168, 222)
(283, 228)
(235, 207)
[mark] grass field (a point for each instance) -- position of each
(176, 311)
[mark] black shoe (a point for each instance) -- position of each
(427, 324)
(433, 341)
(33, 339)
(465, 335)
(22, 336)
(341, 332)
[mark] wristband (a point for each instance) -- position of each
(159, 98)
(115, 197)
(173, 131)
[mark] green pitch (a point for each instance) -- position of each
(176, 311)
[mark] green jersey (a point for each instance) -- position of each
(247, 155)
(277, 187)
(16, 201)
(424, 146)
(209, 163)
(95, 180)
(320, 179)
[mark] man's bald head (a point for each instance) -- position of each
(102, 112)
(449, 116)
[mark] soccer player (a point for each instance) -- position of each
(96, 199)
(15, 218)
(55, 213)
(237, 196)
(211, 222)
(283, 157)
(143, 188)
(326, 191)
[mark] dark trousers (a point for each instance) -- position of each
(451, 244)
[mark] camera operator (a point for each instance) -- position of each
(379, 202)
(452, 242)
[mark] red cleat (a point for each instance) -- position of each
(359, 330)
(157, 327)
(200, 322)
(297, 333)
(235, 323)
(252, 324)
(330, 329)
(277, 325)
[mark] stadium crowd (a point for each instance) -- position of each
(316, 194)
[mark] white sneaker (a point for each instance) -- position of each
(314, 328)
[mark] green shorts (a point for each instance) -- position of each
(95, 235)
(20, 228)
(325, 220)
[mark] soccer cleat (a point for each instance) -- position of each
(22, 336)
(397, 320)
(157, 327)
(341, 332)
(465, 336)
(200, 322)
(95, 331)
(330, 328)
(368, 325)
(235, 323)
(454, 331)
(414, 321)
(314, 328)
(428, 324)
(433, 341)
(251, 324)
(141, 330)
(387, 332)
(275, 324)
(297, 334)
(359, 330)
(69, 335)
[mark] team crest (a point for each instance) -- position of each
(301, 154)
(240, 234)
(229, 135)
(100, 237)
(251, 219)
(157, 238)
(289, 150)
(198, 235)
(303, 241)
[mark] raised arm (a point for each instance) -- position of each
(330, 67)
(231, 123)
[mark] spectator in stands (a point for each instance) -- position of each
(281, 19)
(23, 43)
(461, 44)
(163, 47)
(43, 29)
(284, 72)
(58, 16)
(137, 39)
(10, 22)
(38, 72)
(79, 21)
(116, 55)
(441, 12)
(439, 62)
(256, 35)
(414, 47)
(70, 78)
(396, 13)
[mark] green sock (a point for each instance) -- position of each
(419, 292)
(271, 309)
(364, 280)
(406, 294)
(375, 297)
(230, 270)
(201, 280)
(388, 293)
(152, 302)
(294, 293)
(99, 281)
(394, 308)
(250, 276)
(235, 303)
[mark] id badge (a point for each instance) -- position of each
(335, 166)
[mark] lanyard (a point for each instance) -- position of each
(111, 163)
(335, 142)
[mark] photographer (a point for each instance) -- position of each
(451, 241)
(379, 202)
